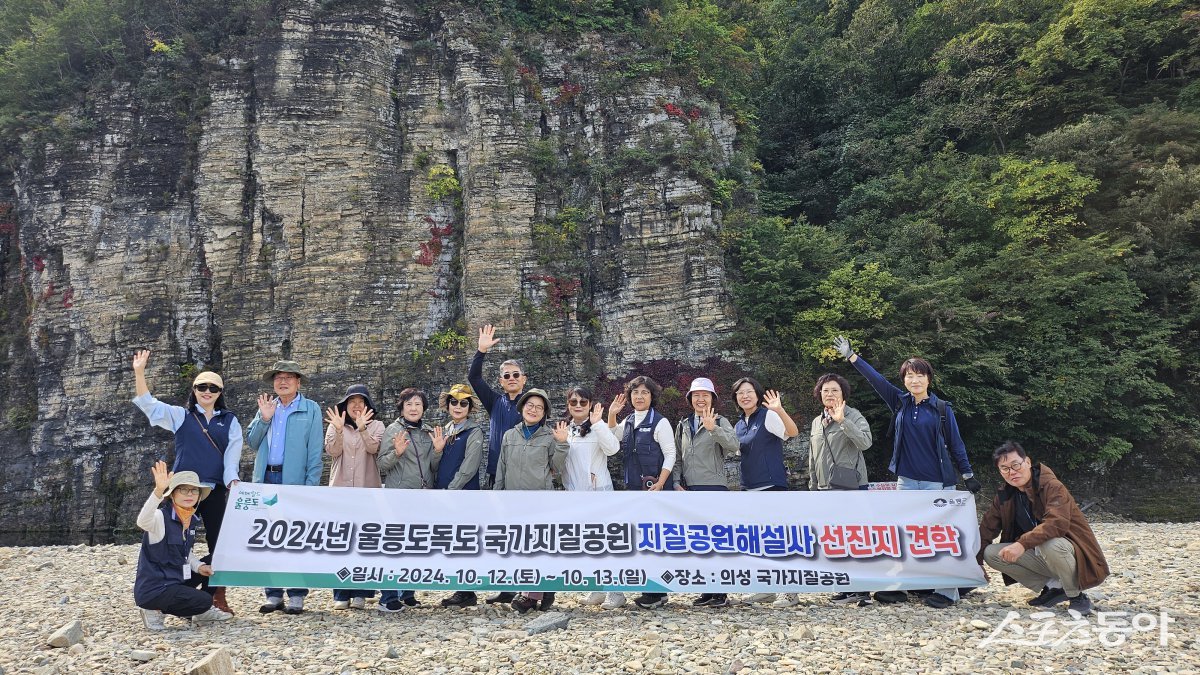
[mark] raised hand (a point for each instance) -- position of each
(487, 338)
(560, 432)
(842, 344)
(364, 418)
(162, 479)
(771, 400)
(709, 419)
(439, 439)
(838, 412)
(335, 418)
(400, 444)
(140, 357)
(266, 407)
(617, 406)
(597, 413)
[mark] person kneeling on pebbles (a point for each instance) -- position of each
(1045, 541)
(166, 559)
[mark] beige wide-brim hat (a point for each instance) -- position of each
(187, 478)
(283, 367)
(209, 377)
(538, 393)
(459, 392)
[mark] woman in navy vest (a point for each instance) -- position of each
(208, 440)
(458, 452)
(647, 450)
(761, 430)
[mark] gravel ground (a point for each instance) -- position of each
(1156, 568)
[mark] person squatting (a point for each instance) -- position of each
(1046, 543)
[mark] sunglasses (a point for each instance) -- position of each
(206, 387)
(578, 401)
(510, 376)
(460, 402)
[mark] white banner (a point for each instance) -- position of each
(290, 536)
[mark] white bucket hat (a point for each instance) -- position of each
(701, 384)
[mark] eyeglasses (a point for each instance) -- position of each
(1012, 468)
(206, 387)
(511, 376)
(578, 401)
(460, 402)
(187, 490)
(535, 406)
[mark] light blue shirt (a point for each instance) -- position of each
(171, 417)
(275, 441)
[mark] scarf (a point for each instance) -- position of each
(184, 515)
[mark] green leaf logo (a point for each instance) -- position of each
(271, 501)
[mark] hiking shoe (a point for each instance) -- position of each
(613, 601)
(460, 599)
(295, 605)
(523, 603)
(890, 597)
(211, 615)
(702, 601)
(844, 598)
(410, 600)
(650, 600)
(761, 597)
(547, 601)
(220, 602)
(341, 604)
(938, 601)
(786, 600)
(594, 598)
(1049, 597)
(718, 600)
(152, 619)
(271, 605)
(358, 603)
(504, 597)
(864, 599)
(391, 606)
(1082, 604)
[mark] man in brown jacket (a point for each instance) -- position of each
(1045, 542)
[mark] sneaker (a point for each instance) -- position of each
(650, 600)
(702, 601)
(152, 619)
(718, 600)
(504, 597)
(761, 597)
(1049, 597)
(844, 598)
(594, 598)
(890, 597)
(358, 603)
(341, 604)
(864, 599)
(938, 601)
(547, 601)
(410, 600)
(295, 605)
(460, 599)
(212, 615)
(1081, 604)
(391, 606)
(523, 603)
(271, 605)
(613, 601)
(786, 600)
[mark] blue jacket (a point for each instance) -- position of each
(928, 461)
(762, 452)
(304, 441)
(502, 411)
(162, 564)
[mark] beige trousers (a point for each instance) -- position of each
(1054, 559)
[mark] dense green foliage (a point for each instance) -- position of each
(1010, 189)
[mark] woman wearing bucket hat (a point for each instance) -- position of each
(208, 441)
(408, 462)
(529, 454)
(648, 449)
(166, 559)
(352, 440)
(459, 459)
(705, 440)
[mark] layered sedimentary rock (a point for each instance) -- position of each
(366, 187)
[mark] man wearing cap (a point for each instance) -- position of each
(287, 437)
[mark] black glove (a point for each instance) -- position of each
(972, 484)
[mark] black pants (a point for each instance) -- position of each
(212, 512)
(180, 600)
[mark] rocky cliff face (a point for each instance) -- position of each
(367, 186)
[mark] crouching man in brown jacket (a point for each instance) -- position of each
(1045, 542)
